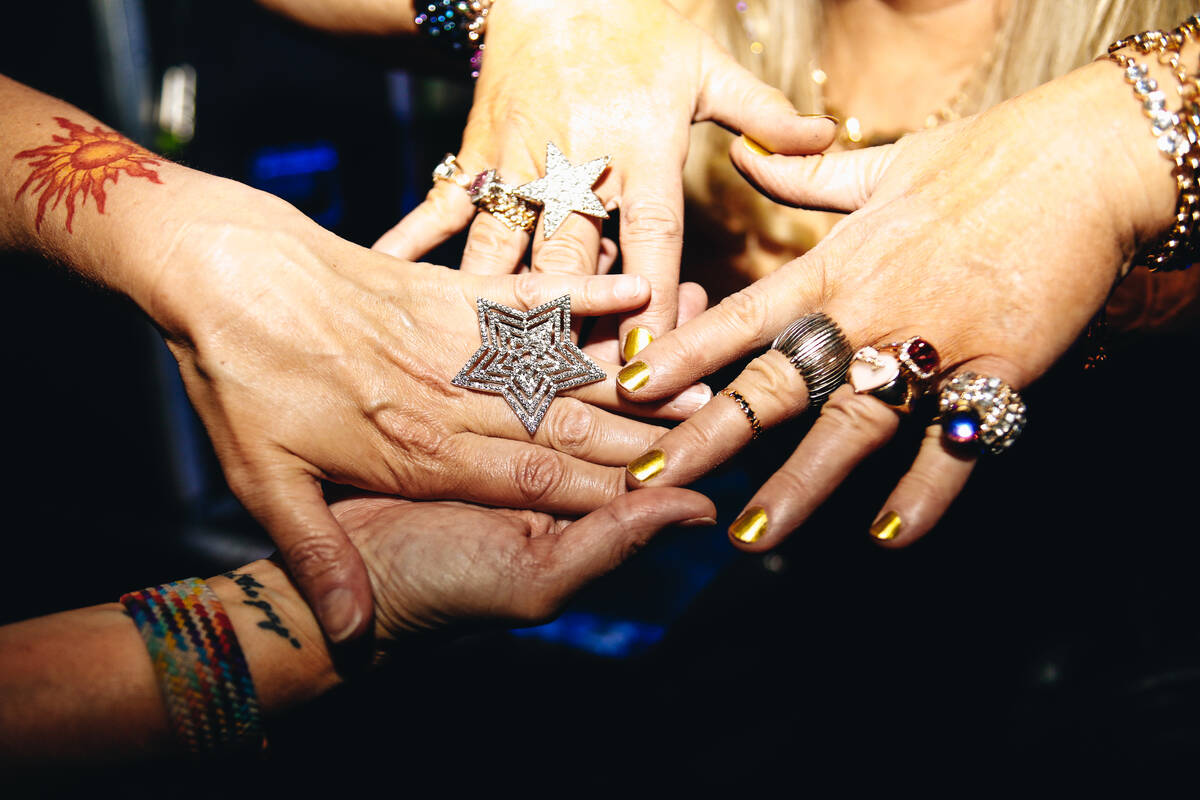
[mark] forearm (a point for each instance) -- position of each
(79, 686)
(381, 17)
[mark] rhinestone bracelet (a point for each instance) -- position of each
(1175, 133)
(458, 25)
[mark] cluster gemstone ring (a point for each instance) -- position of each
(489, 193)
(981, 412)
(897, 374)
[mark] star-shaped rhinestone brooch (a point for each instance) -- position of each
(527, 357)
(566, 187)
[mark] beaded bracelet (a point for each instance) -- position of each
(206, 685)
(458, 25)
(1176, 134)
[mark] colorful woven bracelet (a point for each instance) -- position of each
(456, 24)
(206, 685)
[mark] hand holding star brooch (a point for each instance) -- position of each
(527, 357)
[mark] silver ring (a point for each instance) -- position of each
(817, 348)
(981, 411)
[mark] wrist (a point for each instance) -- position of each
(287, 654)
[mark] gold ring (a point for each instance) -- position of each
(497, 198)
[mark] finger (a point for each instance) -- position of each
(651, 246)
(591, 295)
(445, 211)
(492, 247)
(833, 181)
(608, 536)
(574, 248)
(693, 300)
(575, 428)
(936, 477)
(850, 427)
(500, 472)
(742, 322)
(770, 386)
(316, 549)
(732, 96)
(604, 394)
(938, 473)
(608, 256)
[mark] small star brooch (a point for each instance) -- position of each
(527, 357)
(566, 187)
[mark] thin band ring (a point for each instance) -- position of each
(751, 417)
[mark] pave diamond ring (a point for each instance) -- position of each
(981, 411)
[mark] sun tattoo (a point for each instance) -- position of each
(81, 162)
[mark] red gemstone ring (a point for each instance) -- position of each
(898, 373)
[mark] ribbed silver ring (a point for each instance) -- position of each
(817, 348)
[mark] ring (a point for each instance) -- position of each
(497, 198)
(527, 357)
(565, 188)
(981, 411)
(816, 346)
(897, 374)
(488, 192)
(751, 417)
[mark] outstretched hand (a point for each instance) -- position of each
(624, 79)
(996, 239)
(451, 565)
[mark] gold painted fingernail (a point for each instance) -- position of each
(636, 341)
(886, 527)
(647, 465)
(755, 147)
(634, 376)
(750, 526)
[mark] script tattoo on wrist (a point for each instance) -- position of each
(78, 165)
(273, 622)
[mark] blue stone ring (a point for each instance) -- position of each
(981, 412)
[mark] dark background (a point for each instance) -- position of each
(1045, 632)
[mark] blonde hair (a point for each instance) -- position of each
(1039, 40)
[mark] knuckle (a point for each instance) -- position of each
(565, 254)
(538, 473)
(571, 427)
(488, 240)
(744, 314)
(528, 288)
(650, 220)
(860, 416)
(770, 378)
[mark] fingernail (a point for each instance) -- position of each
(698, 522)
(628, 287)
(339, 615)
(886, 527)
(692, 400)
(634, 376)
(635, 342)
(834, 120)
(750, 526)
(647, 465)
(755, 147)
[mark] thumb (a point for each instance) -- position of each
(318, 554)
(733, 97)
(833, 181)
(599, 542)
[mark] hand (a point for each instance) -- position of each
(996, 239)
(626, 79)
(453, 565)
(309, 358)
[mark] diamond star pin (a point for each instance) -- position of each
(566, 187)
(527, 357)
